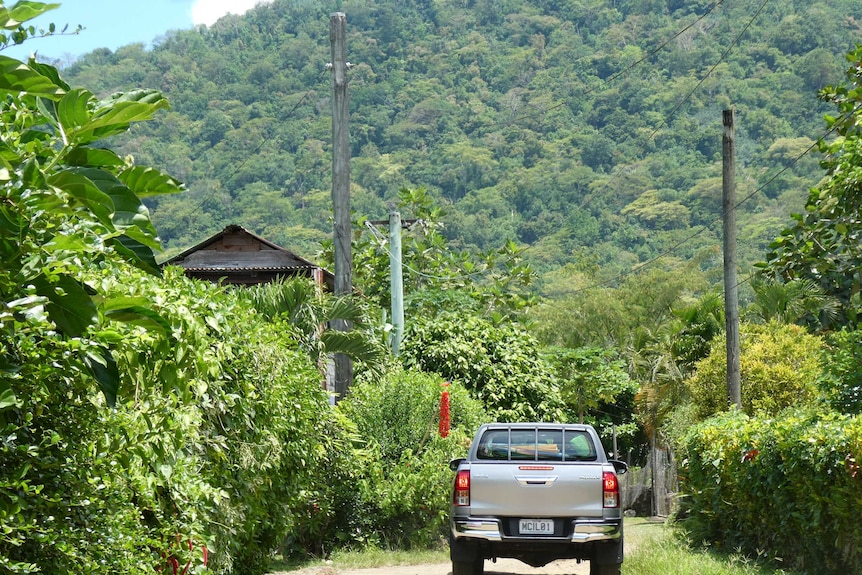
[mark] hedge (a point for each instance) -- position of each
(788, 486)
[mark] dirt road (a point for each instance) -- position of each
(501, 567)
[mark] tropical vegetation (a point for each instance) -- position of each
(559, 264)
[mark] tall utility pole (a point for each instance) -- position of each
(396, 280)
(341, 188)
(731, 294)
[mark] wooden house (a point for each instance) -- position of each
(236, 256)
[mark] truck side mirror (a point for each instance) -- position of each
(453, 465)
(621, 467)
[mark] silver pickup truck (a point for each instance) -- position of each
(536, 492)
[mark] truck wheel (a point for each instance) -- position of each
(475, 567)
(600, 569)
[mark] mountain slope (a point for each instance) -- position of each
(584, 129)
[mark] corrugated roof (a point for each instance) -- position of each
(237, 250)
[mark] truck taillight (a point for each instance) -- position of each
(461, 493)
(611, 489)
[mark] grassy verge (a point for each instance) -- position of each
(652, 548)
(371, 557)
(656, 549)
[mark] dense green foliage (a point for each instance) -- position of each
(589, 377)
(68, 207)
(220, 423)
(754, 484)
(779, 365)
(391, 486)
(757, 485)
(299, 307)
(495, 283)
(146, 422)
(499, 364)
(572, 128)
(140, 414)
(823, 244)
(841, 381)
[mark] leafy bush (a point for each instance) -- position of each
(400, 412)
(789, 486)
(213, 439)
(409, 483)
(500, 364)
(142, 420)
(221, 422)
(334, 513)
(779, 365)
(69, 206)
(841, 381)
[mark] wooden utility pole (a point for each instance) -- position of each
(341, 188)
(731, 294)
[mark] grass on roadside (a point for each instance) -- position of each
(656, 549)
(369, 557)
(652, 548)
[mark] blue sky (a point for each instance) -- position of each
(114, 23)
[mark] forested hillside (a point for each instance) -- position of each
(587, 130)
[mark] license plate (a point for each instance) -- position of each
(536, 527)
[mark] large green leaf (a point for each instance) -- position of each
(93, 157)
(145, 181)
(353, 344)
(21, 12)
(20, 79)
(74, 110)
(7, 396)
(142, 96)
(66, 243)
(50, 72)
(87, 192)
(69, 306)
(101, 364)
(113, 116)
(136, 311)
(127, 208)
(135, 253)
(146, 236)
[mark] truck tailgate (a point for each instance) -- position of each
(536, 489)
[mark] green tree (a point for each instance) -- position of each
(495, 283)
(824, 244)
(796, 301)
(589, 378)
(500, 364)
(780, 364)
(213, 428)
(70, 208)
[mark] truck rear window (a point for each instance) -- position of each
(536, 445)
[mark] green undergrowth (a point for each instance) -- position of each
(659, 549)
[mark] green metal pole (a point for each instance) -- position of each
(396, 281)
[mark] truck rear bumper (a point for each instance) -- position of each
(582, 531)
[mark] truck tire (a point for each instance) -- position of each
(600, 568)
(475, 567)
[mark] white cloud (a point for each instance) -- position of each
(208, 11)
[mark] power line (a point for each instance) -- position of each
(688, 96)
(677, 245)
(382, 241)
(622, 72)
